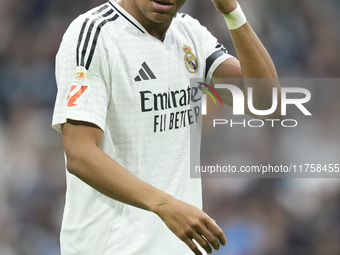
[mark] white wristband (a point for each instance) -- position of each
(236, 18)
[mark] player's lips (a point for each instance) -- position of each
(162, 5)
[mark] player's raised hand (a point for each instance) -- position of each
(225, 6)
(189, 223)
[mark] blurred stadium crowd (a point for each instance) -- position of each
(259, 216)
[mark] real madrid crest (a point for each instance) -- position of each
(190, 59)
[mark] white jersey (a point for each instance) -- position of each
(113, 73)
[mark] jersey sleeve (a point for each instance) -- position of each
(216, 54)
(82, 74)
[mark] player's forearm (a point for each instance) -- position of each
(97, 169)
(254, 58)
(256, 63)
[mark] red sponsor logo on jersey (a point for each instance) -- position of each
(75, 94)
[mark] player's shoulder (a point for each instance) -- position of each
(184, 19)
(184, 23)
(94, 21)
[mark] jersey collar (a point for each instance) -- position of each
(127, 16)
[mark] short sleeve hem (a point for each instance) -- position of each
(215, 64)
(59, 120)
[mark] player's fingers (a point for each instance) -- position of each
(202, 242)
(216, 231)
(192, 246)
(210, 238)
(210, 218)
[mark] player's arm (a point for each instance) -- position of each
(254, 62)
(88, 162)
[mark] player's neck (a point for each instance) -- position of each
(156, 29)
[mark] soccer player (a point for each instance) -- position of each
(126, 112)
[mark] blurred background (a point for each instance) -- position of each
(259, 216)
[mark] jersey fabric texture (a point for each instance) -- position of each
(111, 72)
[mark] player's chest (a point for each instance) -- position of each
(148, 63)
(152, 82)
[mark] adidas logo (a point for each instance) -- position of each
(145, 73)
